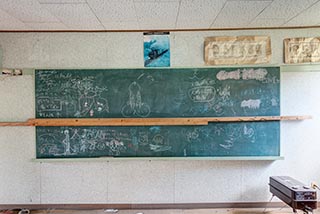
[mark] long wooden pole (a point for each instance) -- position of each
(146, 121)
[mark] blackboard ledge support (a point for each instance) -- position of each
(106, 159)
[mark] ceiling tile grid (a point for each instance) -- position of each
(46, 26)
(7, 22)
(74, 16)
(285, 8)
(310, 16)
(27, 11)
(113, 11)
(61, 1)
(155, 14)
(239, 13)
(202, 12)
(267, 22)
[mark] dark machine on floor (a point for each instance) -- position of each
(294, 193)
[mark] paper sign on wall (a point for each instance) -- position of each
(301, 50)
(228, 50)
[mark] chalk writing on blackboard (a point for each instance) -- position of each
(134, 106)
(212, 140)
(244, 74)
(152, 93)
(157, 92)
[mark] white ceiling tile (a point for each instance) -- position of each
(121, 26)
(113, 11)
(285, 8)
(7, 22)
(193, 24)
(239, 13)
(155, 0)
(62, 1)
(162, 14)
(75, 16)
(201, 11)
(156, 25)
(267, 22)
(46, 26)
(27, 10)
(308, 17)
(12, 26)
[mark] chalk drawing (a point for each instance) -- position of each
(274, 102)
(148, 77)
(193, 135)
(224, 92)
(115, 146)
(271, 80)
(48, 104)
(135, 106)
(228, 144)
(143, 138)
(248, 132)
(49, 146)
(202, 90)
(254, 74)
(238, 134)
(90, 100)
(218, 109)
(159, 144)
(245, 74)
(66, 142)
(202, 94)
(251, 103)
(71, 95)
(229, 75)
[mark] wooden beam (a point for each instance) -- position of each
(119, 122)
(15, 123)
(303, 117)
(146, 121)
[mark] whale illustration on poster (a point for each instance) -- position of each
(156, 49)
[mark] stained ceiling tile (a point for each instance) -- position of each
(75, 16)
(285, 8)
(239, 13)
(27, 10)
(203, 11)
(160, 13)
(113, 11)
(308, 17)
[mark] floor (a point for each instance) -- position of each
(283, 210)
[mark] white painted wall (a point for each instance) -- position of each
(137, 181)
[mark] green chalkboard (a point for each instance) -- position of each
(118, 93)
(141, 93)
(223, 139)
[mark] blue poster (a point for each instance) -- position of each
(156, 50)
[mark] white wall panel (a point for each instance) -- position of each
(144, 181)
